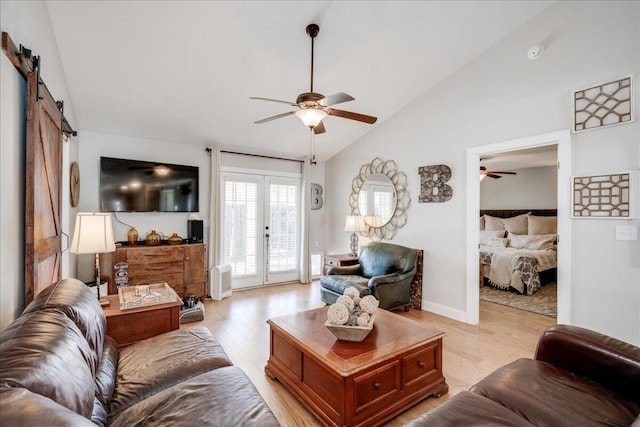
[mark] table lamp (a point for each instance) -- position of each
(93, 234)
(355, 224)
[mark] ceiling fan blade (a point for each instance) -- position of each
(319, 128)
(504, 173)
(268, 119)
(293, 104)
(491, 175)
(334, 99)
(353, 116)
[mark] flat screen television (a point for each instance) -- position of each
(141, 186)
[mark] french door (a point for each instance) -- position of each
(261, 226)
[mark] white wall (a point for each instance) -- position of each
(531, 188)
(27, 23)
(502, 95)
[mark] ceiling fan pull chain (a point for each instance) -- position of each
(312, 161)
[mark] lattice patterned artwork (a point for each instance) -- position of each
(603, 105)
(602, 196)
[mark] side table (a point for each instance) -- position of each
(339, 260)
(129, 326)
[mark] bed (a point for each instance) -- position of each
(517, 250)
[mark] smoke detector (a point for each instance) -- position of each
(535, 51)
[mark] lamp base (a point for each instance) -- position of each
(103, 301)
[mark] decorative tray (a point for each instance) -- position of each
(146, 295)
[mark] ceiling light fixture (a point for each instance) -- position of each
(311, 117)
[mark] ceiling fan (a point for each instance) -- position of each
(314, 107)
(493, 174)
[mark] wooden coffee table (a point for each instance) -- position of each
(356, 384)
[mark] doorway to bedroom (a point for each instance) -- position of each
(514, 195)
(518, 225)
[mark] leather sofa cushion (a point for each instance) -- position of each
(45, 353)
(20, 407)
(150, 366)
(469, 409)
(339, 283)
(222, 397)
(73, 298)
(546, 395)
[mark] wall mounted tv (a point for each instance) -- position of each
(140, 186)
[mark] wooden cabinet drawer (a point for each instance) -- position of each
(151, 269)
(375, 387)
(174, 280)
(421, 367)
(155, 255)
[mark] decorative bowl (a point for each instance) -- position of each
(350, 333)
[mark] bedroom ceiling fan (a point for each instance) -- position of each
(314, 107)
(493, 174)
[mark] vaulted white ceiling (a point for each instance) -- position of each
(184, 70)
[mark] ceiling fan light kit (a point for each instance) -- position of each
(313, 106)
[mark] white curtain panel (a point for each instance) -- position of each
(215, 200)
(305, 199)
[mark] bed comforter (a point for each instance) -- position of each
(517, 268)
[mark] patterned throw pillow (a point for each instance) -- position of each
(486, 235)
(499, 242)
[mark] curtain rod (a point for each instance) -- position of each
(208, 150)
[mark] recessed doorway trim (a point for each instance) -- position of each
(560, 138)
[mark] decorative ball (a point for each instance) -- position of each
(351, 292)
(369, 304)
(346, 301)
(363, 321)
(338, 314)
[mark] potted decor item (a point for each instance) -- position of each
(351, 317)
(132, 236)
(153, 239)
(174, 239)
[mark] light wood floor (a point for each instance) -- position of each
(470, 351)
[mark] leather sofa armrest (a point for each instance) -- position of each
(390, 278)
(590, 354)
(352, 270)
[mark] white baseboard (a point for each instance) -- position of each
(445, 311)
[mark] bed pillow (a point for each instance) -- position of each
(499, 242)
(532, 242)
(517, 224)
(543, 224)
(482, 222)
(493, 223)
(486, 235)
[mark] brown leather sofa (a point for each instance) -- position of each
(57, 367)
(578, 378)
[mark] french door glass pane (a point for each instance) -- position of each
(283, 227)
(240, 228)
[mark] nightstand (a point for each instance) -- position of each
(339, 260)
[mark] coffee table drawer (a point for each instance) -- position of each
(377, 386)
(421, 367)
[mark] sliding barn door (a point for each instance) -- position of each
(43, 189)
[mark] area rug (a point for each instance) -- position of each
(544, 301)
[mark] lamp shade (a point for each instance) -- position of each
(92, 234)
(354, 223)
(311, 117)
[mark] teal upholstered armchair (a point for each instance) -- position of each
(384, 270)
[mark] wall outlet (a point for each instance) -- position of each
(626, 232)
